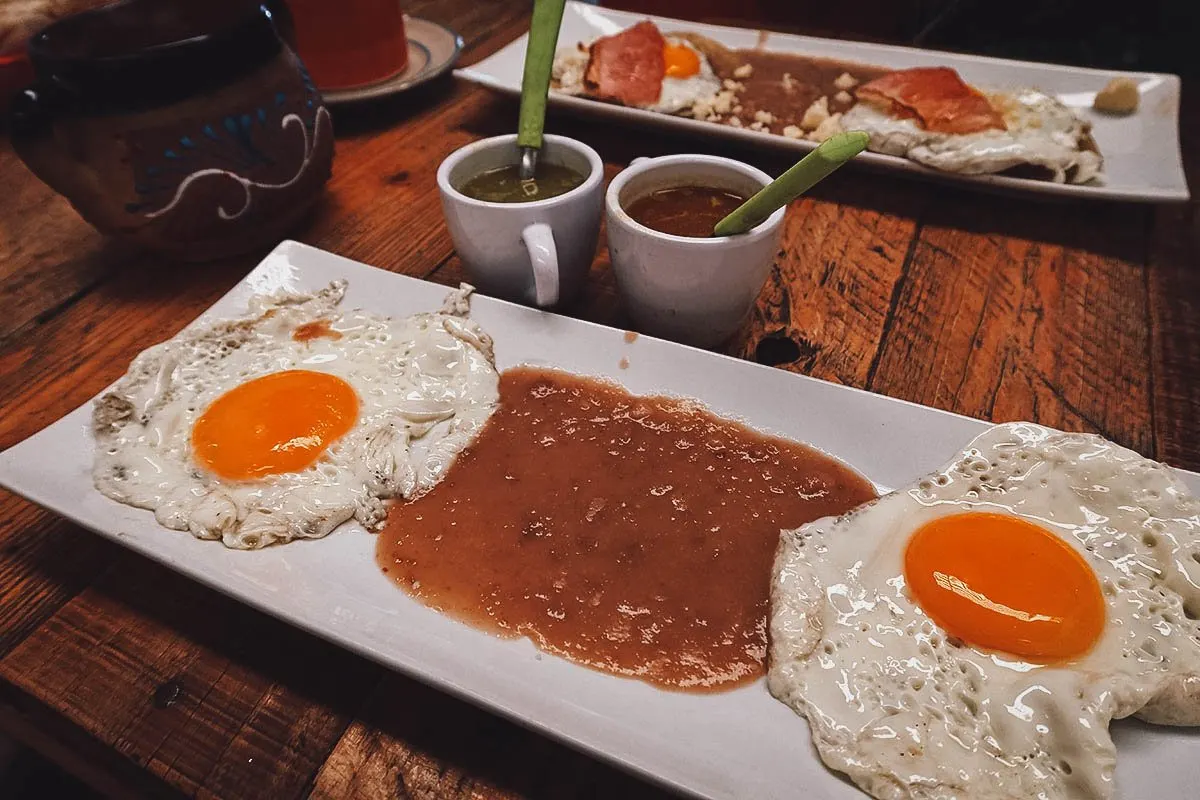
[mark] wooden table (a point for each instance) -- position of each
(1081, 316)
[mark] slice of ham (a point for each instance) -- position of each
(936, 96)
(628, 67)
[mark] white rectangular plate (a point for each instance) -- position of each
(738, 744)
(1141, 152)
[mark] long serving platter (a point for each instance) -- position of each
(1143, 161)
(738, 744)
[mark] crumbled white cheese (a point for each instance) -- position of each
(568, 71)
(765, 117)
(744, 71)
(845, 81)
(733, 86)
(737, 109)
(793, 132)
(817, 113)
(845, 98)
(734, 122)
(828, 127)
(711, 109)
(759, 126)
(788, 83)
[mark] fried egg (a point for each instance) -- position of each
(292, 420)
(689, 78)
(972, 635)
(1042, 132)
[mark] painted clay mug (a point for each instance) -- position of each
(190, 128)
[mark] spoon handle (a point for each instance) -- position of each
(539, 60)
(808, 171)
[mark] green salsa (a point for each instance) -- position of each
(504, 185)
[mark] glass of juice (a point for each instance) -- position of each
(346, 43)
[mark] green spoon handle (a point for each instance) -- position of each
(539, 60)
(810, 170)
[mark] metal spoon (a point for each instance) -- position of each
(539, 59)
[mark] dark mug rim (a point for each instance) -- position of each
(152, 74)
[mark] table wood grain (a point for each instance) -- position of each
(1078, 315)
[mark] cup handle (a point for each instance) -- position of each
(543, 255)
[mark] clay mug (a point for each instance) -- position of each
(190, 128)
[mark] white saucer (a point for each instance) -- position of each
(432, 49)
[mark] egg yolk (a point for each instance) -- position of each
(280, 422)
(1003, 583)
(682, 61)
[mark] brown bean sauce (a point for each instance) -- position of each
(786, 99)
(630, 534)
(684, 210)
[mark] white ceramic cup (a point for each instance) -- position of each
(695, 291)
(535, 253)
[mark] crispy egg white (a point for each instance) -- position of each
(569, 68)
(1042, 132)
(365, 409)
(908, 709)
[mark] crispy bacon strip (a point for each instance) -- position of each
(936, 96)
(628, 67)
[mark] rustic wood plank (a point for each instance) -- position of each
(1173, 287)
(383, 207)
(1010, 309)
(1173, 284)
(58, 740)
(48, 255)
(212, 698)
(824, 308)
(414, 742)
(44, 561)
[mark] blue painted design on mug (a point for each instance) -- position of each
(229, 141)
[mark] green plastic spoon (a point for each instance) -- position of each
(810, 170)
(535, 84)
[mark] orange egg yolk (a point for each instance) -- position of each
(1003, 583)
(280, 422)
(682, 61)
